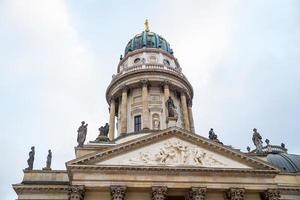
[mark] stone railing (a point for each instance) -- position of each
(149, 66)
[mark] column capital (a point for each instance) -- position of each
(183, 92)
(197, 193)
(272, 194)
(190, 103)
(144, 82)
(165, 83)
(235, 194)
(76, 192)
(124, 87)
(159, 192)
(118, 192)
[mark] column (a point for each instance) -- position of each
(159, 192)
(191, 119)
(272, 194)
(235, 194)
(166, 89)
(196, 193)
(117, 192)
(145, 114)
(124, 110)
(184, 111)
(112, 112)
(76, 192)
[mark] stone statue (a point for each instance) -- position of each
(30, 159)
(48, 162)
(257, 140)
(102, 137)
(248, 149)
(82, 131)
(171, 108)
(212, 136)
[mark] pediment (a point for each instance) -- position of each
(172, 147)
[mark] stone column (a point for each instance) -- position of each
(235, 194)
(145, 106)
(196, 193)
(159, 192)
(190, 112)
(184, 111)
(124, 110)
(112, 112)
(166, 90)
(76, 192)
(117, 192)
(272, 194)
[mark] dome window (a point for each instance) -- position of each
(166, 62)
(137, 60)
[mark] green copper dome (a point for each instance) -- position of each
(148, 39)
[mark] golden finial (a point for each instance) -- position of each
(146, 25)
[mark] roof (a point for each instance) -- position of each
(286, 162)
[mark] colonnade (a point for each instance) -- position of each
(186, 107)
(118, 192)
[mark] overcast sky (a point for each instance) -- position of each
(57, 58)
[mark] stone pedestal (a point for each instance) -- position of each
(117, 192)
(76, 192)
(159, 192)
(235, 194)
(171, 121)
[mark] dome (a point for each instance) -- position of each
(286, 162)
(148, 39)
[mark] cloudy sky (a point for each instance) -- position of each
(57, 58)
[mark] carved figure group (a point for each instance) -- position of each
(30, 159)
(102, 137)
(257, 140)
(82, 131)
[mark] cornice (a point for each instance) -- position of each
(19, 188)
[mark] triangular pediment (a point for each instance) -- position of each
(172, 147)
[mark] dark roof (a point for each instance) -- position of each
(286, 162)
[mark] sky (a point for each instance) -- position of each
(57, 58)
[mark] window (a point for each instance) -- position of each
(166, 62)
(137, 123)
(137, 60)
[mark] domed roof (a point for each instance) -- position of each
(148, 39)
(285, 162)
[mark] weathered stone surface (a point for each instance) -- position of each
(272, 194)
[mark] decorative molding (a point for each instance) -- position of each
(272, 194)
(197, 193)
(159, 192)
(76, 192)
(118, 192)
(235, 194)
(176, 153)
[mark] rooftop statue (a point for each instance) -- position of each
(102, 137)
(212, 136)
(48, 162)
(171, 108)
(82, 131)
(257, 140)
(30, 159)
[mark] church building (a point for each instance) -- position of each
(149, 149)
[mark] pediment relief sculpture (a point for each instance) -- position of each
(177, 153)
